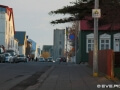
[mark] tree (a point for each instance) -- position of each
(79, 11)
(45, 55)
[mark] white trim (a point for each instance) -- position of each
(89, 37)
(105, 37)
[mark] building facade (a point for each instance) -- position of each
(7, 28)
(35, 49)
(108, 38)
(22, 44)
(59, 43)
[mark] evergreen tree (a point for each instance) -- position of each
(79, 11)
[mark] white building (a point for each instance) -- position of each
(16, 46)
(59, 43)
(7, 28)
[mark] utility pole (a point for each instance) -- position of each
(95, 52)
(66, 42)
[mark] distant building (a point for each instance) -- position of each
(35, 49)
(59, 43)
(48, 48)
(7, 27)
(22, 44)
(28, 48)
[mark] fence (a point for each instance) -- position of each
(105, 62)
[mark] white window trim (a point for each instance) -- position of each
(105, 37)
(89, 36)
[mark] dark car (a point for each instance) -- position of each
(22, 58)
(13, 54)
(62, 59)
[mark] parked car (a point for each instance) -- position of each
(62, 59)
(41, 59)
(22, 58)
(50, 59)
(13, 54)
(8, 57)
(2, 56)
(58, 59)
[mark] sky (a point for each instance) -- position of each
(32, 16)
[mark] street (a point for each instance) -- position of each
(51, 76)
(13, 73)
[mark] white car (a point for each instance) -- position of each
(8, 57)
(41, 59)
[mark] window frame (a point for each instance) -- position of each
(105, 37)
(89, 37)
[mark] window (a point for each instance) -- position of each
(60, 51)
(104, 41)
(2, 9)
(89, 42)
(105, 44)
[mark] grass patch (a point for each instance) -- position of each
(117, 72)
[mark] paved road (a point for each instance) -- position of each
(13, 74)
(50, 76)
(71, 77)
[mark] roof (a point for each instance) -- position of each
(9, 11)
(20, 35)
(84, 25)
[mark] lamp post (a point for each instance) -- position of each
(95, 52)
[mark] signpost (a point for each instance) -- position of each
(95, 14)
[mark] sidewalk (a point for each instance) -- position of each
(71, 77)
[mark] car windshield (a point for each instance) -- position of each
(6, 54)
(12, 53)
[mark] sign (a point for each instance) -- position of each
(96, 13)
(72, 36)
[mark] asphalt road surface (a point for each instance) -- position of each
(18, 76)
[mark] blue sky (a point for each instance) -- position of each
(32, 16)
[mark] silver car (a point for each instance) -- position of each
(8, 57)
(22, 58)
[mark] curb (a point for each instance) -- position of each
(41, 80)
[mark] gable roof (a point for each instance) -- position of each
(9, 11)
(84, 25)
(20, 35)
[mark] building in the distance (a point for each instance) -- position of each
(49, 49)
(22, 44)
(59, 43)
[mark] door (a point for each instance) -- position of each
(117, 45)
